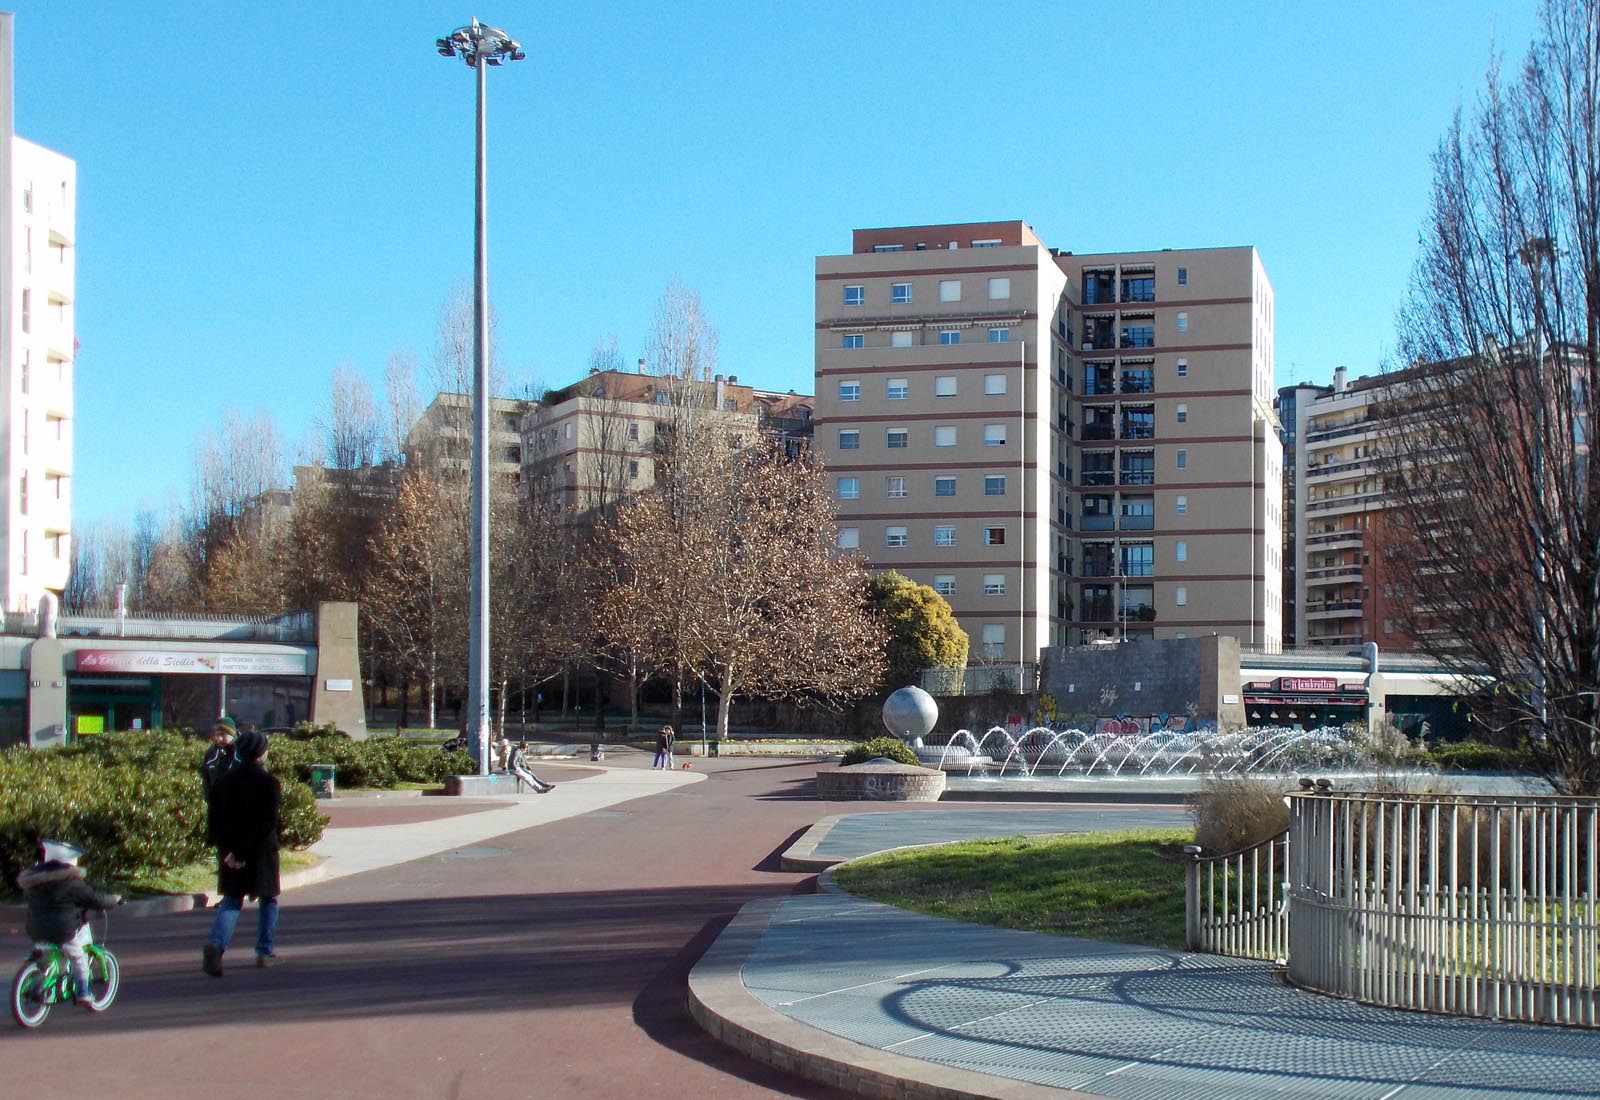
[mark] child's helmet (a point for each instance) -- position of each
(59, 851)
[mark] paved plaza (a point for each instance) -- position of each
(542, 946)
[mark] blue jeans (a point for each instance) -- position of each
(228, 917)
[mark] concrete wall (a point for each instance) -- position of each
(336, 695)
(1196, 678)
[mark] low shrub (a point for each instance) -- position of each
(1477, 756)
(891, 748)
(1234, 811)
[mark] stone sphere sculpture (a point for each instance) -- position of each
(910, 712)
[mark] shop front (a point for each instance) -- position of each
(1305, 702)
(131, 689)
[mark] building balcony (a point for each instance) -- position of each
(1138, 477)
(1330, 540)
(1330, 471)
(1333, 609)
(1343, 430)
(1098, 477)
(1097, 523)
(1354, 501)
(1344, 638)
(1138, 523)
(1325, 574)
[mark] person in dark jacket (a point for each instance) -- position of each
(245, 803)
(58, 898)
(219, 757)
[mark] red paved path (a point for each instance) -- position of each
(551, 963)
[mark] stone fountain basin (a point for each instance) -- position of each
(880, 781)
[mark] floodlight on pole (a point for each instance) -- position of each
(480, 46)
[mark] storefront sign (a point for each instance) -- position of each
(197, 664)
(1307, 683)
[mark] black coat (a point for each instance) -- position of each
(219, 759)
(57, 895)
(245, 803)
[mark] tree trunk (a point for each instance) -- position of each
(566, 678)
(433, 700)
(500, 709)
(633, 697)
(724, 700)
(405, 701)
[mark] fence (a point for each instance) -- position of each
(982, 679)
(1477, 906)
(1237, 904)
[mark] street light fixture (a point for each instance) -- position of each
(480, 46)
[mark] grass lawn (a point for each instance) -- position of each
(1122, 886)
(200, 877)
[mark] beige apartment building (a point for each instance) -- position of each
(588, 444)
(1067, 447)
(441, 439)
(1340, 596)
(38, 212)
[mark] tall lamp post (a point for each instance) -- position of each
(480, 47)
(1534, 252)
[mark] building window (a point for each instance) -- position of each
(1183, 322)
(854, 340)
(888, 248)
(25, 553)
(850, 439)
(662, 399)
(633, 432)
(1181, 506)
(994, 435)
(567, 430)
(1139, 288)
(22, 368)
(900, 293)
(1183, 459)
(855, 295)
(894, 487)
(849, 488)
(944, 436)
(1138, 336)
(1181, 596)
(994, 639)
(899, 339)
(949, 290)
(849, 538)
(999, 289)
(1138, 560)
(897, 438)
(895, 536)
(994, 384)
(994, 535)
(1183, 276)
(633, 470)
(22, 494)
(1181, 551)
(944, 536)
(994, 485)
(849, 391)
(944, 387)
(987, 242)
(949, 336)
(944, 486)
(1183, 413)
(27, 310)
(999, 336)
(27, 197)
(994, 584)
(897, 389)
(945, 585)
(1183, 368)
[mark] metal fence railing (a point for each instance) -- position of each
(1471, 905)
(982, 679)
(1237, 904)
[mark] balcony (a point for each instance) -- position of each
(1135, 430)
(1097, 523)
(1138, 477)
(1353, 500)
(1315, 472)
(1138, 383)
(1329, 540)
(1098, 477)
(1360, 425)
(1141, 337)
(1334, 574)
(1138, 523)
(1099, 431)
(1333, 609)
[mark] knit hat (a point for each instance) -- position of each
(226, 723)
(250, 745)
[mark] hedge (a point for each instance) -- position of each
(891, 748)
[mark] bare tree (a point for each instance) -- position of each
(455, 343)
(402, 406)
(1495, 535)
(352, 434)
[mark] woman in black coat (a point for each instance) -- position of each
(244, 809)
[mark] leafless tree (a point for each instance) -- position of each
(455, 343)
(402, 406)
(1495, 536)
(352, 434)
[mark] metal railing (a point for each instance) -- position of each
(1238, 904)
(1476, 906)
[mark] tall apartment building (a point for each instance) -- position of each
(441, 439)
(37, 347)
(590, 443)
(1341, 598)
(1067, 447)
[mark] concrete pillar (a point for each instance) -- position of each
(336, 695)
(47, 693)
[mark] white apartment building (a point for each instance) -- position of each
(1067, 447)
(37, 348)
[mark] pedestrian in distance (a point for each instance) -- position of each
(245, 806)
(517, 765)
(664, 739)
(58, 898)
(219, 756)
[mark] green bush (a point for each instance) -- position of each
(891, 748)
(1477, 756)
(132, 801)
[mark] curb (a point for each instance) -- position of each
(182, 903)
(731, 1014)
(800, 856)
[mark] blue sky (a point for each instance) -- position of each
(267, 191)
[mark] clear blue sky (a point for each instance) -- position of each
(267, 191)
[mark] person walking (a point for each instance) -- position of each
(219, 756)
(244, 810)
(662, 744)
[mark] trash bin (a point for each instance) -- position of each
(597, 751)
(322, 780)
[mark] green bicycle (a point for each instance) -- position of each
(45, 981)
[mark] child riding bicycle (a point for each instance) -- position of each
(58, 899)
